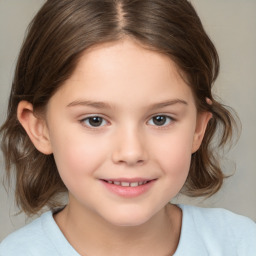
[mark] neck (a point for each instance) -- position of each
(90, 234)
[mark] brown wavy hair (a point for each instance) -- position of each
(56, 38)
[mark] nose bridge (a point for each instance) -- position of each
(129, 146)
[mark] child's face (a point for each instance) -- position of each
(145, 128)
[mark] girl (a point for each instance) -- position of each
(111, 103)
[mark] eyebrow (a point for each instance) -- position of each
(89, 103)
(168, 103)
(104, 105)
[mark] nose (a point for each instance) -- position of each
(129, 148)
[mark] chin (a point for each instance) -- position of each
(129, 218)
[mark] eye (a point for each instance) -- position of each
(160, 120)
(94, 121)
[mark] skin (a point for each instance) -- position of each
(130, 80)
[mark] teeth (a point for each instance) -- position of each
(127, 184)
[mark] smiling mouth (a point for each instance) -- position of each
(128, 187)
(127, 184)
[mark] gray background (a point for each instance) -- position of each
(231, 25)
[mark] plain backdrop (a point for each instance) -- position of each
(231, 25)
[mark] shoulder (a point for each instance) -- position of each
(222, 228)
(225, 219)
(25, 240)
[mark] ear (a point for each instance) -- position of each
(201, 124)
(35, 127)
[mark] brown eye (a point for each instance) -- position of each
(160, 120)
(94, 121)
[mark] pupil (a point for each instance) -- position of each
(95, 121)
(159, 120)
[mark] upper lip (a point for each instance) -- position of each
(130, 180)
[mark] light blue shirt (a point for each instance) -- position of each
(213, 232)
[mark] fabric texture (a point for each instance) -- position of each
(213, 232)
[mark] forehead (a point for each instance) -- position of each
(125, 70)
(125, 57)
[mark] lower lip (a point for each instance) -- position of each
(128, 192)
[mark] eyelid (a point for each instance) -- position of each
(172, 120)
(84, 118)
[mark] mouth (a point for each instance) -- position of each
(126, 183)
(128, 188)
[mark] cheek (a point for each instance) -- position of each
(174, 155)
(76, 156)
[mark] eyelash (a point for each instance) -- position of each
(165, 118)
(89, 118)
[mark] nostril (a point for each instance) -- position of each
(129, 151)
(140, 161)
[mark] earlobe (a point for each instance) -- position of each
(35, 127)
(201, 125)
